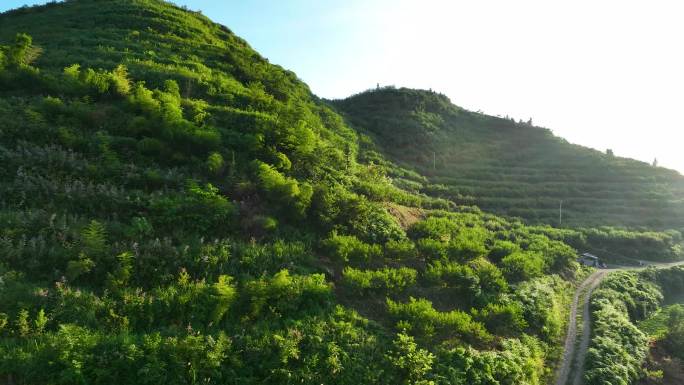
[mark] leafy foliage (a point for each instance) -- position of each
(386, 280)
(178, 210)
(513, 168)
(421, 318)
(618, 347)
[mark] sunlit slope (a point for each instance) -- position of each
(513, 168)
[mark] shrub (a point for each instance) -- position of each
(18, 53)
(420, 318)
(413, 364)
(437, 228)
(479, 281)
(464, 250)
(456, 276)
(617, 347)
(674, 339)
(215, 163)
(632, 293)
(348, 248)
(502, 249)
(431, 249)
(503, 318)
(519, 362)
(200, 209)
(522, 266)
(401, 250)
(542, 305)
(468, 244)
(285, 294)
(285, 193)
(335, 208)
(94, 239)
(192, 302)
(386, 280)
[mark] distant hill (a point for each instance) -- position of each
(514, 168)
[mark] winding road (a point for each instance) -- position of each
(573, 353)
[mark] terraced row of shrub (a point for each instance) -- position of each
(514, 168)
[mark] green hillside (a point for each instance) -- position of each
(513, 168)
(175, 209)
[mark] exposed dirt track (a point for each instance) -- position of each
(571, 354)
(569, 351)
(586, 330)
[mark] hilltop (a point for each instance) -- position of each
(176, 209)
(514, 168)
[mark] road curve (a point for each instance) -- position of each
(570, 354)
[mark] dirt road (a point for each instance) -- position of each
(576, 354)
(571, 337)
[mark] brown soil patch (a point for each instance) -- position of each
(406, 216)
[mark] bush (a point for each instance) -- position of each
(431, 249)
(285, 294)
(436, 228)
(670, 280)
(464, 249)
(287, 194)
(419, 318)
(185, 302)
(462, 278)
(479, 281)
(348, 248)
(522, 266)
(17, 54)
(674, 339)
(543, 306)
(519, 362)
(412, 363)
(335, 208)
(215, 163)
(503, 318)
(502, 249)
(400, 250)
(618, 348)
(386, 280)
(201, 210)
(638, 297)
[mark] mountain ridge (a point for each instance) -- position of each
(495, 163)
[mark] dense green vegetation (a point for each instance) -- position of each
(674, 339)
(175, 209)
(663, 322)
(667, 325)
(618, 347)
(513, 168)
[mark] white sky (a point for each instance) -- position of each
(602, 73)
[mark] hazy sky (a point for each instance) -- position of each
(605, 74)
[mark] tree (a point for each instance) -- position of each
(18, 53)
(413, 363)
(674, 340)
(522, 266)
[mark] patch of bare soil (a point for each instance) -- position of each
(406, 216)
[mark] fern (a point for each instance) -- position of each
(94, 238)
